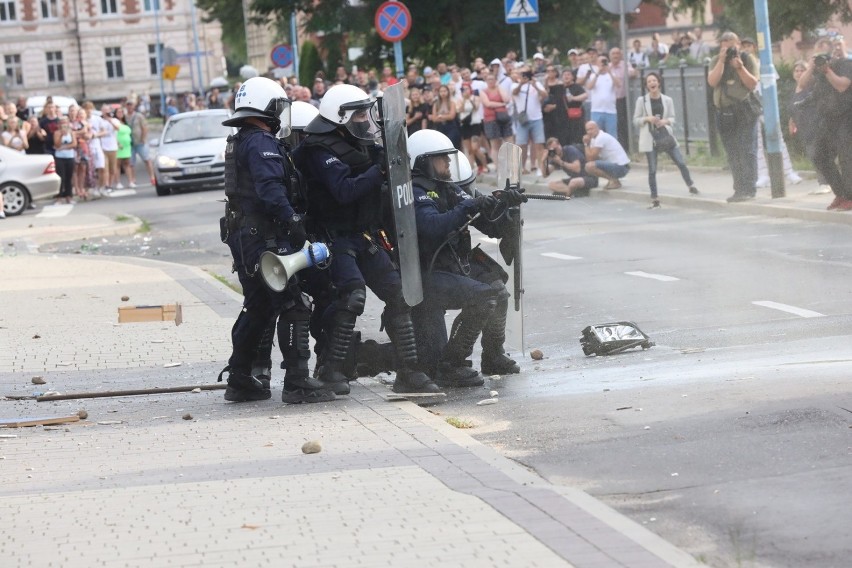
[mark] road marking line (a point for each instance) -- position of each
(490, 240)
(58, 210)
(561, 256)
(660, 277)
(789, 309)
(122, 192)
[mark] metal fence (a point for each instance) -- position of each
(693, 101)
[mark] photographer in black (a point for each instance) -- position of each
(830, 104)
(733, 76)
(571, 160)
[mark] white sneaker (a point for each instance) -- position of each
(762, 182)
(95, 193)
(2, 214)
(119, 186)
(794, 178)
(132, 185)
(822, 189)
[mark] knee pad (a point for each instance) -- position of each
(353, 301)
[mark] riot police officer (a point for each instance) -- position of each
(343, 169)
(455, 276)
(259, 217)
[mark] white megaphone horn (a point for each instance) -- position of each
(277, 270)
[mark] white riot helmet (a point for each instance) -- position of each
(431, 154)
(265, 99)
(349, 107)
(465, 172)
(301, 114)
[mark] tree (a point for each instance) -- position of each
(785, 16)
(444, 30)
(309, 63)
(230, 15)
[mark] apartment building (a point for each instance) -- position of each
(102, 50)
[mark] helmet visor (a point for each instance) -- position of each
(284, 118)
(361, 124)
(463, 174)
(440, 166)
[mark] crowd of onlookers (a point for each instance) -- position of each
(91, 147)
(545, 105)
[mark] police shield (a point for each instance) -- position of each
(395, 140)
(509, 177)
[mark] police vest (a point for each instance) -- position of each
(454, 256)
(323, 208)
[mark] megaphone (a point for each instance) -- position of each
(277, 270)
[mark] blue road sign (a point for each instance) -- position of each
(521, 11)
(282, 55)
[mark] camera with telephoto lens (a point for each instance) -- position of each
(551, 152)
(731, 53)
(822, 59)
(528, 75)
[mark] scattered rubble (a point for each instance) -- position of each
(311, 447)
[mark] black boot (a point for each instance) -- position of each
(450, 376)
(243, 387)
(332, 370)
(408, 379)
(372, 358)
(299, 386)
(453, 370)
(494, 359)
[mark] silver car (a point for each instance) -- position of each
(191, 151)
(25, 178)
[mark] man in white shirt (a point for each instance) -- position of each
(605, 157)
(529, 128)
(603, 89)
(637, 57)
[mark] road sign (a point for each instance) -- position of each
(170, 72)
(281, 55)
(393, 21)
(521, 11)
(614, 6)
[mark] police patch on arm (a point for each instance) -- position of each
(330, 161)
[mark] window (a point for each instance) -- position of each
(152, 58)
(7, 11)
(114, 69)
(109, 6)
(151, 5)
(14, 70)
(55, 68)
(49, 9)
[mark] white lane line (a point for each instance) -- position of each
(660, 277)
(789, 309)
(59, 210)
(561, 256)
(489, 240)
(122, 192)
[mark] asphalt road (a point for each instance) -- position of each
(731, 438)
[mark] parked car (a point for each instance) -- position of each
(191, 151)
(25, 178)
(36, 104)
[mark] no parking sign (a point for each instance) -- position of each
(393, 21)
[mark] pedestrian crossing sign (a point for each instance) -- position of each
(521, 11)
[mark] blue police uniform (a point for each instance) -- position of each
(259, 217)
(457, 277)
(344, 189)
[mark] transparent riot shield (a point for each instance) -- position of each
(401, 195)
(511, 249)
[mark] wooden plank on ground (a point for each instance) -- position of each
(37, 421)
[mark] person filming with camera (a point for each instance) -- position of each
(733, 77)
(830, 80)
(572, 161)
(528, 95)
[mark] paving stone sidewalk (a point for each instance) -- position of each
(135, 484)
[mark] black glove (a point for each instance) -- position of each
(482, 203)
(296, 231)
(515, 197)
(377, 155)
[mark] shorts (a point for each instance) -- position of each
(471, 130)
(612, 169)
(533, 129)
(494, 130)
(142, 150)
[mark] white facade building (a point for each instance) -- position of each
(103, 50)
